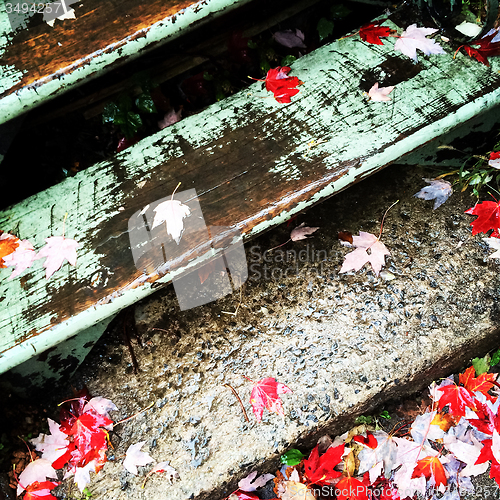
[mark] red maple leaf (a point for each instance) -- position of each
(488, 213)
(265, 394)
(485, 50)
(369, 440)
(282, 86)
(350, 488)
(319, 470)
(89, 439)
(495, 472)
(40, 491)
(481, 384)
(431, 467)
(458, 398)
(372, 32)
(485, 455)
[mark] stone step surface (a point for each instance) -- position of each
(344, 343)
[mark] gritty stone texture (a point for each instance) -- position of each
(344, 343)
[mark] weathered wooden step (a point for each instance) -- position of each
(253, 164)
(101, 36)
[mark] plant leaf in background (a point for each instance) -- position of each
(22, 258)
(281, 85)
(173, 213)
(438, 190)
(292, 457)
(486, 48)
(265, 394)
(134, 457)
(302, 232)
(325, 28)
(8, 245)
(290, 39)
(252, 482)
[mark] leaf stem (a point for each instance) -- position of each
(134, 415)
(383, 218)
(238, 398)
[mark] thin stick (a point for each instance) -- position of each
(64, 222)
(274, 248)
(237, 308)
(383, 218)
(238, 398)
(176, 188)
(134, 415)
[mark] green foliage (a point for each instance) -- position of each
(292, 457)
(287, 60)
(340, 11)
(362, 419)
(495, 358)
(477, 176)
(481, 365)
(122, 113)
(145, 103)
(367, 420)
(86, 494)
(222, 85)
(385, 414)
(325, 28)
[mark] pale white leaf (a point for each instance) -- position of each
(172, 212)
(22, 258)
(469, 29)
(164, 467)
(380, 94)
(57, 250)
(414, 38)
(100, 405)
(438, 190)
(251, 483)
(38, 470)
(302, 232)
(134, 457)
(52, 445)
(364, 243)
(170, 118)
(82, 475)
(494, 244)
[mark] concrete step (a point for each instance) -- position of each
(344, 343)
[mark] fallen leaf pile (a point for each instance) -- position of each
(78, 446)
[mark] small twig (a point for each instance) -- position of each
(383, 218)
(238, 398)
(274, 248)
(134, 415)
(237, 308)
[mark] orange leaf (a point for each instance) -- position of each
(350, 488)
(482, 383)
(445, 421)
(8, 244)
(431, 467)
